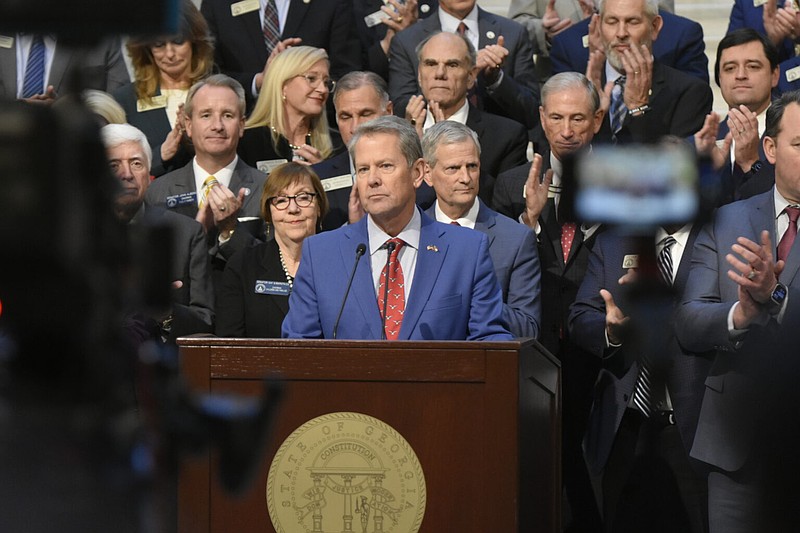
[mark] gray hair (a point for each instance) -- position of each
(571, 80)
(446, 132)
(406, 136)
(472, 55)
(650, 8)
(217, 80)
(115, 134)
(362, 78)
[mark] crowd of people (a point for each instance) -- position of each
(360, 170)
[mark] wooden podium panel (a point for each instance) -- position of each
(482, 417)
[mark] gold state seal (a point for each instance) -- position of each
(346, 472)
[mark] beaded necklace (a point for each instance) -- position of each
(289, 277)
(294, 146)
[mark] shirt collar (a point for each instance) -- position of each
(468, 220)
(409, 234)
(459, 116)
(781, 203)
(223, 175)
(681, 236)
(449, 23)
(611, 73)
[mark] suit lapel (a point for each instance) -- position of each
(295, 17)
(8, 68)
(270, 268)
(485, 222)
(430, 257)
(252, 26)
(474, 121)
(686, 261)
(61, 60)
(363, 288)
(487, 26)
(552, 230)
(184, 183)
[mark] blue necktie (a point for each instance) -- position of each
(33, 83)
(617, 109)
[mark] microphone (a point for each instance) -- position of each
(361, 249)
(389, 249)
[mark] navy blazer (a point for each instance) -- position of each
(744, 14)
(751, 381)
(516, 265)
(454, 295)
(685, 373)
(517, 96)
(680, 45)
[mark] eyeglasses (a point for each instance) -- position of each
(281, 203)
(314, 80)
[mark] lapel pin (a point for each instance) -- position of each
(306, 1)
(433, 248)
(247, 191)
(490, 35)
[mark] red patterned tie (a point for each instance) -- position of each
(396, 299)
(567, 236)
(472, 93)
(272, 28)
(787, 240)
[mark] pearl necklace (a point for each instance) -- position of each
(289, 277)
(294, 146)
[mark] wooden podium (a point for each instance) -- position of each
(482, 417)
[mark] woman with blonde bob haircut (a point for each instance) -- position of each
(288, 121)
(257, 282)
(164, 69)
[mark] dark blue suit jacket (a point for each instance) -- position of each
(516, 265)
(752, 382)
(454, 295)
(680, 45)
(746, 15)
(615, 384)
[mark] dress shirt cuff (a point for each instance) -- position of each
(253, 89)
(610, 344)
(537, 229)
(496, 84)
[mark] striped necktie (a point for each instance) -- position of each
(272, 27)
(33, 83)
(617, 109)
(208, 184)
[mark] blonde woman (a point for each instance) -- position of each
(288, 122)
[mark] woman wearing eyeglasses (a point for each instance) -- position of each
(257, 282)
(289, 122)
(164, 69)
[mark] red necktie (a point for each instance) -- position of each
(396, 299)
(567, 236)
(272, 28)
(787, 240)
(472, 93)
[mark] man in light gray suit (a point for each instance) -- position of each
(102, 67)
(742, 301)
(216, 188)
(452, 167)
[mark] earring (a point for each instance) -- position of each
(284, 97)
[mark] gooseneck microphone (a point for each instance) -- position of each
(361, 249)
(389, 249)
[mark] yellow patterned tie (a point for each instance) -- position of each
(209, 183)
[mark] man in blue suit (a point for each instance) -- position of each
(742, 304)
(768, 19)
(435, 281)
(452, 167)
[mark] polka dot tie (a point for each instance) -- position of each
(567, 236)
(396, 299)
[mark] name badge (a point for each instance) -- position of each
(337, 182)
(585, 41)
(156, 102)
(245, 6)
(630, 261)
(279, 288)
(792, 74)
(267, 166)
(6, 41)
(757, 3)
(181, 199)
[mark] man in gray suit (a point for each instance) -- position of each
(102, 67)
(742, 301)
(452, 167)
(215, 188)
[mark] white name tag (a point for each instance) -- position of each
(792, 74)
(267, 166)
(337, 182)
(156, 102)
(630, 261)
(585, 41)
(245, 6)
(757, 3)
(6, 41)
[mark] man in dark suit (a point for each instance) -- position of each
(102, 67)
(192, 308)
(647, 100)
(638, 450)
(506, 82)
(360, 96)
(680, 45)
(747, 72)
(452, 167)
(215, 188)
(742, 304)
(414, 266)
(446, 73)
(241, 51)
(538, 194)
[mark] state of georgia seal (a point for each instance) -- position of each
(346, 472)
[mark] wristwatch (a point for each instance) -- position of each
(777, 298)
